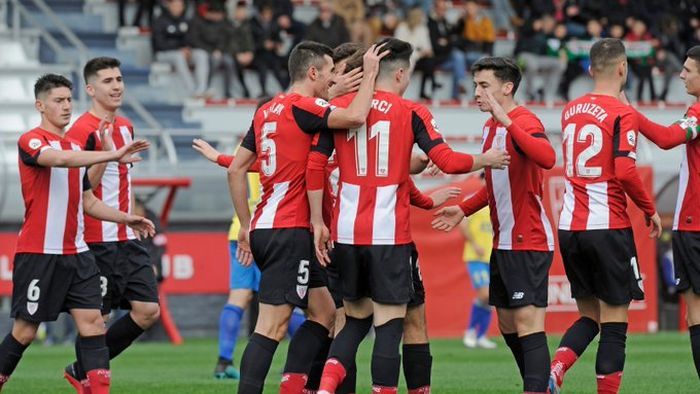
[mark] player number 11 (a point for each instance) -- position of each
(380, 130)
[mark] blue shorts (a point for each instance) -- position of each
(479, 273)
(242, 277)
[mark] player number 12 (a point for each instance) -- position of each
(596, 145)
(380, 130)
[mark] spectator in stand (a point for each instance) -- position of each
(291, 32)
(668, 66)
(443, 39)
(531, 51)
(170, 45)
(142, 5)
(239, 45)
(207, 38)
(670, 35)
(266, 35)
(328, 28)
(576, 18)
(616, 12)
(578, 61)
(279, 7)
(424, 5)
(355, 16)
(641, 61)
(504, 16)
(477, 32)
(415, 30)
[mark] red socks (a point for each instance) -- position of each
(293, 383)
(609, 384)
(3, 380)
(564, 358)
(333, 374)
(420, 390)
(384, 390)
(99, 381)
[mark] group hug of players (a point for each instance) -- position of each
(357, 207)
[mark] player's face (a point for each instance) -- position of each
(486, 81)
(691, 77)
(56, 106)
(324, 78)
(107, 88)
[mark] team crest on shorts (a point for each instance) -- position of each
(301, 291)
(32, 307)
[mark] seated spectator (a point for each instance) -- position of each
(328, 28)
(578, 60)
(355, 16)
(415, 31)
(291, 32)
(641, 60)
(207, 37)
(477, 32)
(143, 5)
(266, 35)
(239, 44)
(667, 65)
(443, 39)
(170, 45)
(531, 50)
(503, 15)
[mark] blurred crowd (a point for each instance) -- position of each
(551, 38)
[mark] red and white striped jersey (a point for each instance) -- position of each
(687, 215)
(281, 136)
(115, 187)
(597, 129)
(515, 193)
(330, 192)
(373, 202)
(53, 198)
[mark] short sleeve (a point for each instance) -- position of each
(85, 136)
(249, 139)
(625, 131)
(425, 130)
(311, 114)
(30, 146)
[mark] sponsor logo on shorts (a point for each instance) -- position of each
(301, 291)
(518, 295)
(32, 307)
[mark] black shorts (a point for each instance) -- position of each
(335, 286)
(288, 266)
(686, 260)
(418, 288)
(519, 278)
(44, 285)
(380, 272)
(603, 264)
(126, 274)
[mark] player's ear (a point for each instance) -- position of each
(39, 105)
(399, 74)
(90, 90)
(590, 71)
(507, 88)
(312, 73)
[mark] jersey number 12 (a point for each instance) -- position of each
(578, 166)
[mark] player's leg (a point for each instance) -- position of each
(417, 360)
(506, 325)
(92, 348)
(13, 346)
(610, 359)
(529, 322)
(386, 361)
(692, 301)
(243, 281)
(480, 317)
(576, 339)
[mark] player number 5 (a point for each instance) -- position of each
(268, 164)
(303, 277)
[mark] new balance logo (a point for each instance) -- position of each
(518, 295)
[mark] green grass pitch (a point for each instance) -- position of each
(660, 363)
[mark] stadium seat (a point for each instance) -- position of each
(12, 54)
(11, 124)
(12, 89)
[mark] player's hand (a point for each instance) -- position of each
(124, 154)
(447, 218)
(496, 158)
(497, 110)
(371, 59)
(655, 223)
(105, 130)
(143, 228)
(205, 149)
(243, 253)
(322, 242)
(441, 196)
(419, 161)
(346, 83)
(432, 169)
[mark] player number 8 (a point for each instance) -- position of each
(33, 292)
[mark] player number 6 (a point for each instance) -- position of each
(33, 292)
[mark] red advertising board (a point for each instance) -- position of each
(197, 263)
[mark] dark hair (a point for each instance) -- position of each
(504, 69)
(693, 53)
(605, 52)
(50, 81)
(99, 63)
(346, 50)
(355, 61)
(399, 54)
(305, 55)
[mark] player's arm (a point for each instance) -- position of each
(430, 141)
(668, 137)
(447, 218)
(238, 187)
(46, 156)
(434, 200)
(529, 136)
(88, 140)
(94, 207)
(321, 150)
(356, 113)
(626, 169)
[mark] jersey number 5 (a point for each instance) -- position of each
(268, 164)
(380, 130)
(572, 135)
